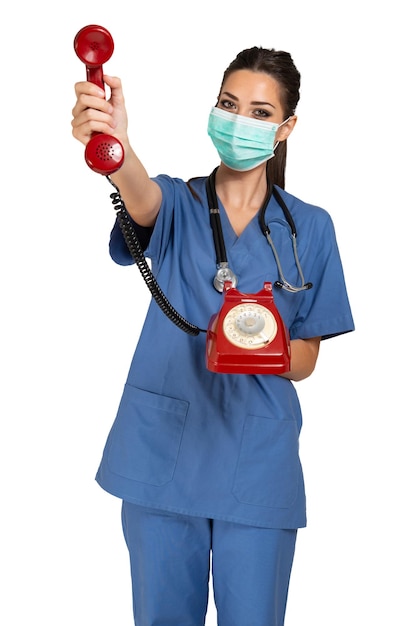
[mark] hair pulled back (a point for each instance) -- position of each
(279, 65)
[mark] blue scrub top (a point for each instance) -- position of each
(207, 444)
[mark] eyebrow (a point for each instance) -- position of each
(254, 102)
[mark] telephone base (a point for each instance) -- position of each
(248, 335)
(235, 364)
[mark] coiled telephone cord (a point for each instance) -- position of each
(138, 256)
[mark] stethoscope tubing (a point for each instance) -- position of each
(219, 242)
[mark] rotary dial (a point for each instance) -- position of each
(250, 326)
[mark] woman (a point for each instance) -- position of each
(207, 462)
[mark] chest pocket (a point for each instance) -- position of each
(145, 439)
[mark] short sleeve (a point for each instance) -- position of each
(325, 310)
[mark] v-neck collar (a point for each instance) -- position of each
(219, 219)
(229, 233)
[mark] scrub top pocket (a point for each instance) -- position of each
(268, 470)
(145, 439)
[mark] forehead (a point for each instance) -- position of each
(248, 84)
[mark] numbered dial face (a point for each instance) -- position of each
(250, 326)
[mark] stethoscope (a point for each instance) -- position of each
(224, 272)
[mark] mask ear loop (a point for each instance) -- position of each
(282, 124)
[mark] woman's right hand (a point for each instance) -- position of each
(92, 113)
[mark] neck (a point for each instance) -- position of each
(241, 191)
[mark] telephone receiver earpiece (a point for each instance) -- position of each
(94, 46)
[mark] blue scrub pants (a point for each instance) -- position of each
(170, 557)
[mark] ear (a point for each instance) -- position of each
(284, 131)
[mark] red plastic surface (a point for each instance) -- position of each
(94, 46)
(222, 356)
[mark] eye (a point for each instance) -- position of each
(227, 104)
(261, 113)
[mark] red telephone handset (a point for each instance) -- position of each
(248, 335)
(94, 46)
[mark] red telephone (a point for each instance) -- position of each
(248, 335)
(94, 46)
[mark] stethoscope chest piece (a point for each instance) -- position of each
(224, 274)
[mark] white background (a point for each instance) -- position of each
(70, 317)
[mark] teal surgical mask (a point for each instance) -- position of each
(242, 142)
